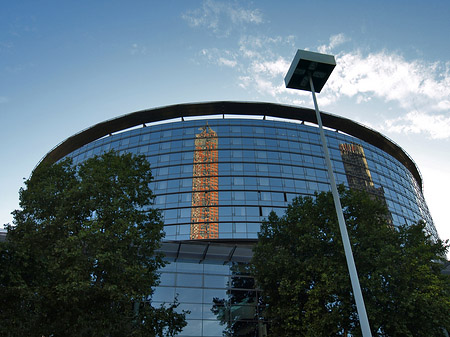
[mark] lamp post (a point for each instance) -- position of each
(309, 71)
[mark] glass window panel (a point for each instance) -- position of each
(175, 157)
(164, 294)
(261, 154)
(250, 181)
(236, 141)
(238, 181)
(167, 279)
(195, 310)
(170, 230)
(185, 212)
(260, 142)
(224, 195)
(241, 227)
(237, 154)
(274, 169)
(208, 312)
(188, 156)
(225, 227)
(163, 171)
(262, 168)
(191, 280)
(186, 182)
(250, 195)
(263, 181)
(213, 281)
(235, 129)
(188, 143)
(237, 167)
(300, 184)
(193, 328)
(296, 158)
(266, 211)
(312, 185)
(249, 156)
(265, 196)
(184, 229)
(186, 197)
(275, 182)
(189, 267)
(173, 183)
(224, 211)
(164, 146)
(217, 269)
(253, 227)
(210, 294)
(252, 211)
(170, 214)
(164, 158)
(160, 200)
(174, 170)
(176, 144)
(238, 195)
(212, 328)
(224, 182)
(249, 168)
(239, 211)
(286, 169)
(224, 167)
(171, 198)
(277, 196)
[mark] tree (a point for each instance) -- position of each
(80, 259)
(300, 266)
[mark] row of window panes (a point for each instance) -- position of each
(224, 227)
(199, 295)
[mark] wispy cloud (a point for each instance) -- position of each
(221, 16)
(436, 126)
(3, 99)
(389, 76)
(335, 41)
(418, 90)
(137, 49)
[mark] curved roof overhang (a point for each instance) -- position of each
(231, 108)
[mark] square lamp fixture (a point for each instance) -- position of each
(305, 63)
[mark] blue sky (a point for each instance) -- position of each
(66, 65)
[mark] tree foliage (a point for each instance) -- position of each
(80, 259)
(300, 266)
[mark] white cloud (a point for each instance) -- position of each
(221, 16)
(390, 77)
(417, 90)
(3, 99)
(335, 40)
(227, 62)
(435, 126)
(421, 90)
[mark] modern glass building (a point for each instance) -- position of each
(220, 168)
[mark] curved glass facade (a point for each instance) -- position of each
(217, 179)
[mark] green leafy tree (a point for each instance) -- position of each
(300, 266)
(80, 259)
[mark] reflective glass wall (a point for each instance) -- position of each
(217, 179)
(251, 167)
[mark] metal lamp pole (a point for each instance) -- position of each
(305, 66)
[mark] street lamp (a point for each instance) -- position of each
(309, 71)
